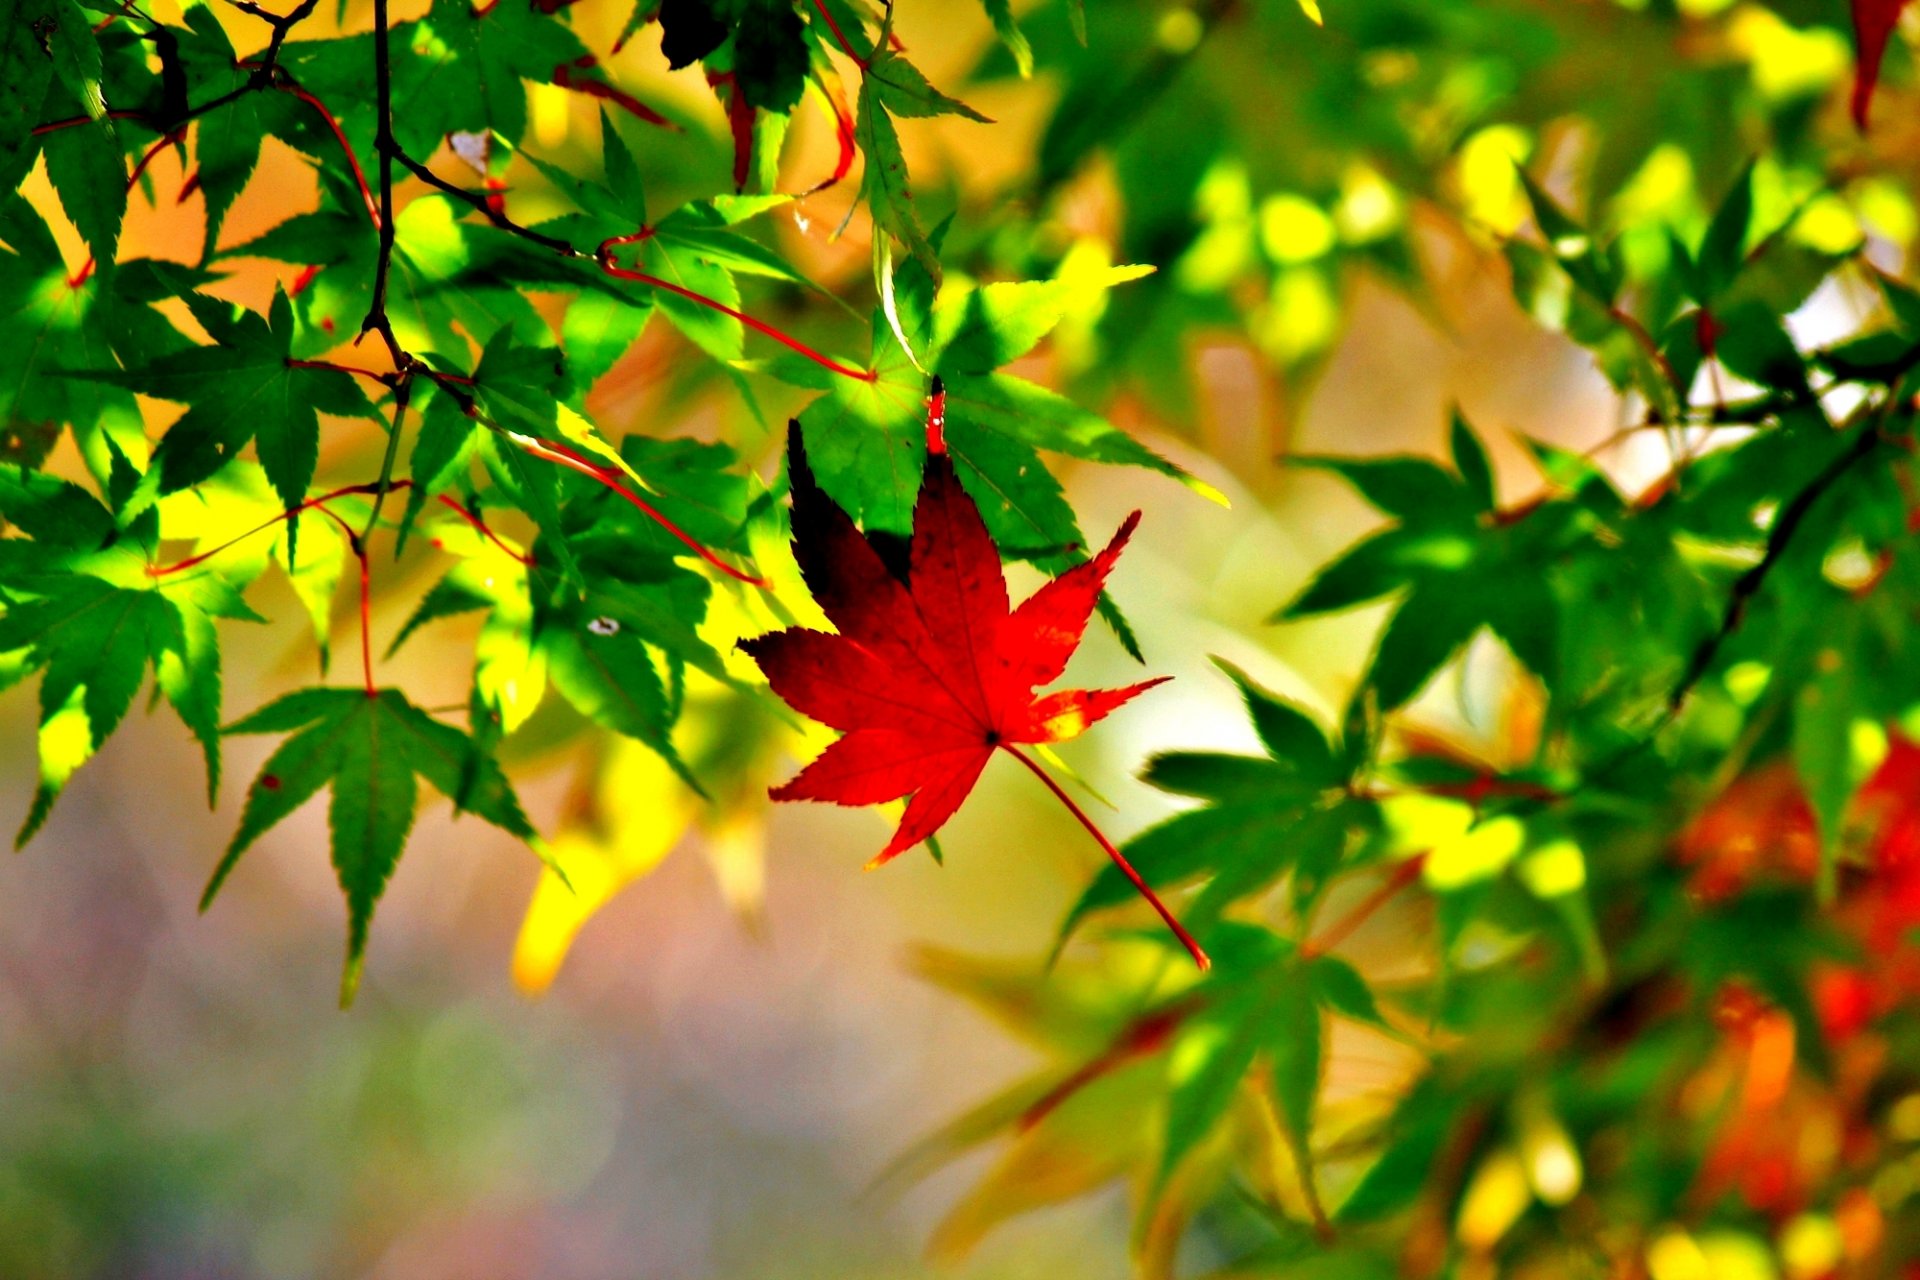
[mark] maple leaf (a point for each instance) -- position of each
(244, 386)
(367, 750)
(1873, 23)
(932, 672)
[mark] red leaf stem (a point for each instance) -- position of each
(353, 161)
(305, 278)
(74, 122)
(839, 36)
(843, 134)
(1345, 927)
(161, 571)
(147, 157)
(605, 256)
(1187, 940)
(482, 526)
(1147, 1036)
(329, 366)
(567, 76)
(555, 452)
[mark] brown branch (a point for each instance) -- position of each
(1786, 523)
(482, 205)
(376, 320)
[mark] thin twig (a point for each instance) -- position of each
(1364, 910)
(482, 205)
(377, 321)
(1780, 535)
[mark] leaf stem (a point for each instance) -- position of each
(374, 214)
(482, 205)
(1345, 927)
(485, 529)
(1194, 949)
(839, 36)
(566, 76)
(328, 366)
(553, 452)
(843, 134)
(377, 321)
(605, 256)
(359, 549)
(85, 272)
(179, 566)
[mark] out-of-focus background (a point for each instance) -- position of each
(702, 1092)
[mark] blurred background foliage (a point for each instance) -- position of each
(1663, 1028)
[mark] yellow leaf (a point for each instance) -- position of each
(644, 810)
(1089, 1140)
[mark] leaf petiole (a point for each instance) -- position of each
(1187, 940)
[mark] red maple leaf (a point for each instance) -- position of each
(1873, 23)
(931, 671)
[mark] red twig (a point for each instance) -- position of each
(471, 518)
(566, 76)
(353, 161)
(839, 36)
(605, 256)
(843, 133)
(1148, 1035)
(559, 453)
(329, 366)
(1345, 927)
(147, 157)
(161, 571)
(1119, 859)
(74, 122)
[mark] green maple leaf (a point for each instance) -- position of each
(244, 388)
(94, 625)
(867, 438)
(1458, 574)
(440, 289)
(369, 750)
(694, 247)
(55, 325)
(470, 66)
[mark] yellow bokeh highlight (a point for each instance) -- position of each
(1786, 62)
(1479, 854)
(1555, 870)
(1494, 1200)
(1488, 175)
(1811, 1245)
(1302, 315)
(1293, 229)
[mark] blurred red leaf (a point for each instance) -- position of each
(1873, 23)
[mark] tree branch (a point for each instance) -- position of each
(1786, 523)
(377, 321)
